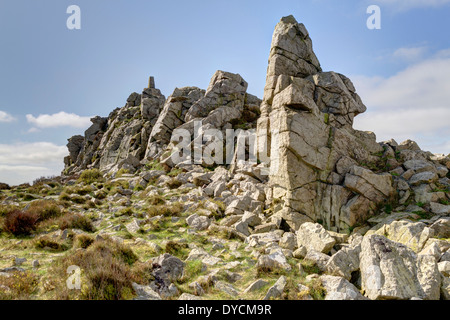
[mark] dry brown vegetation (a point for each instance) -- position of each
(107, 272)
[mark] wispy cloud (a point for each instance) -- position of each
(404, 5)
(410, 54)
(24, 162)
(61, 119)
(6, 117)
(413, 104)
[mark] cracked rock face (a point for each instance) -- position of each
(390, 270)
(307, 117)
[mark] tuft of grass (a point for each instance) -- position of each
(121, 172)
(64, 196)
(388, 208)
(316, 289)
(78, 199)
(174, 183)
(423, 215)
(29, 197)
(310, 267)
(83, 241)
(154, 165)
(91, 176)
(176, 249)
(126, 212)
(5, 209)
(138, 188)
(89, 204)
(156, 200)
(112, 187)
(101, 195)
(171, 210)
(46, 242)
(420, 204)
(175, 172)
(193, 268)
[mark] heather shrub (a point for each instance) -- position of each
(20, 223)
(21, 286)
(83, 241)
(46, 242)
(76, 221)
(45, 209)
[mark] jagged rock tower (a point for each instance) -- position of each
(316, 162)
(142, 130)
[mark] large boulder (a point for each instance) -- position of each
(98, 125)
(414, 235)
(441, 228)
(168, 268)
(390, 270)
(346, 261)
(274, 261)
(225, 89)
(276, 291)
(74, 145)
(314, 237)
(338, 288)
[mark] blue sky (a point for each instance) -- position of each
(53, 79)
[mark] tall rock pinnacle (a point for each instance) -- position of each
(291, 54)
(314, 163)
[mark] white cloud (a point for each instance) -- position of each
(5, 117)
(410, 54)
(61, 119)
(33, 130)
(403, 5)
(413, 104)
(24, 162)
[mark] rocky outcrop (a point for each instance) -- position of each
(142, 129)
(75, 144)
(314, 167)
(172, 115)
(316, 157)
(118, 141)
